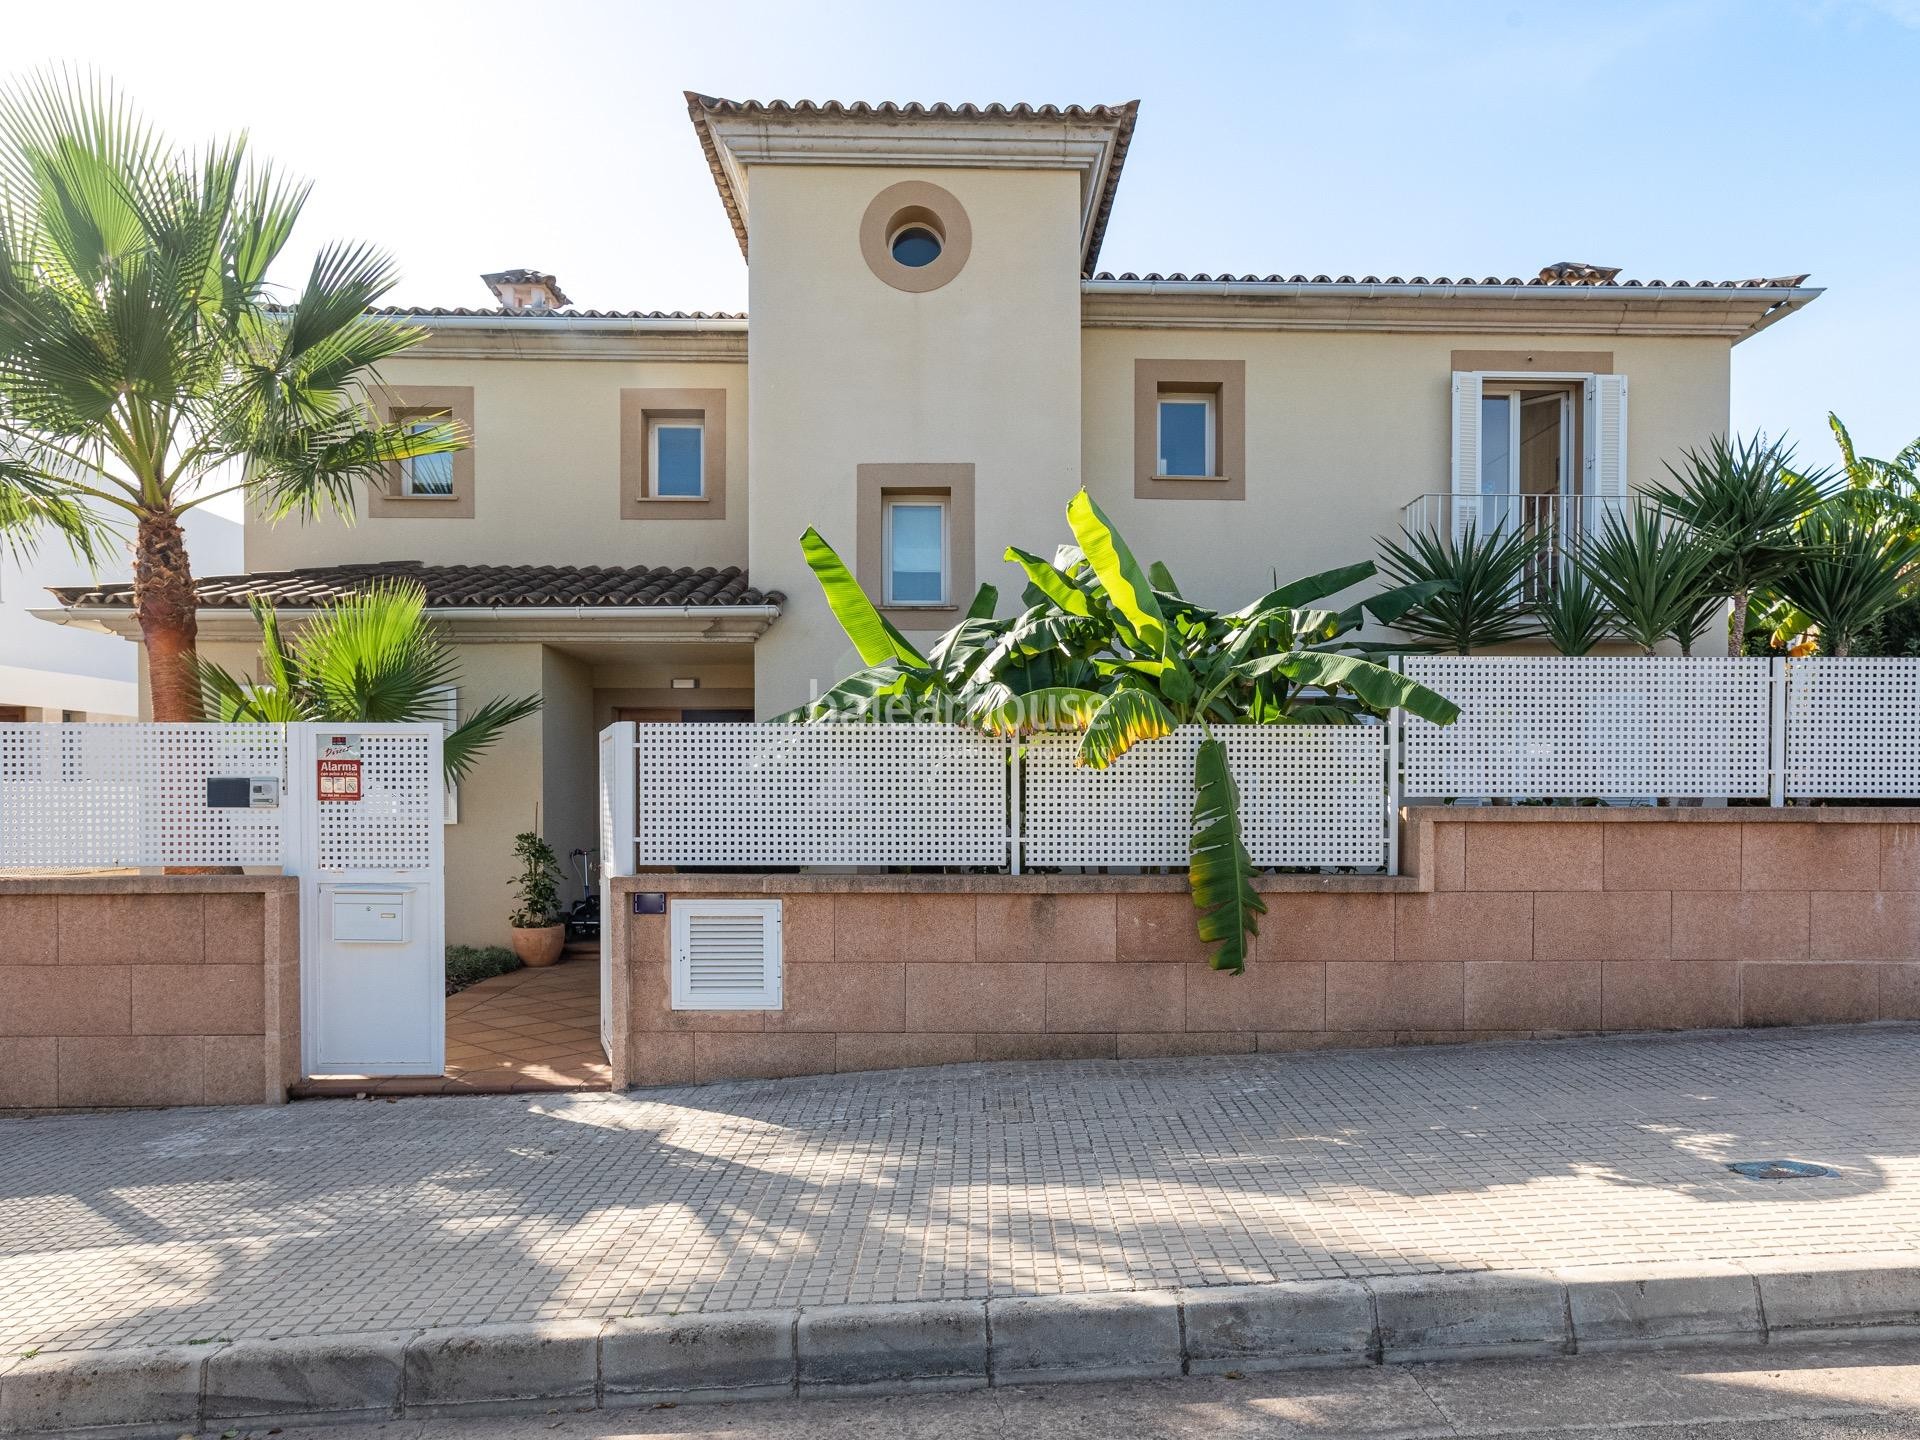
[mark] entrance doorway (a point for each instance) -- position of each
(1528, 480)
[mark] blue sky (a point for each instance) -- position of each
(1700, 139)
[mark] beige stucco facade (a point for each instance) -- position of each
(546, 462)
(1343, 429)
(847, 371)
(1008, 367)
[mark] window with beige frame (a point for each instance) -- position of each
(1190, 429)
(427, 487)
(673, 454)
(914, 547)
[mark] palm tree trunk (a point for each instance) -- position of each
(163, 603)
(1737, 623)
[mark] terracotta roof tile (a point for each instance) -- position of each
(1121, 117)
(1782, 282)
(418, 312)
(452, 586)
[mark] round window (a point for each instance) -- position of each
(915, 237)
(915, 246)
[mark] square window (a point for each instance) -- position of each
(676, 459)
(1186, 446)
(429, 476)
(916, 551)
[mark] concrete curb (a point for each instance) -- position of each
(959, 1344)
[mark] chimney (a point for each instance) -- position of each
(1579, 272)
(526, 290)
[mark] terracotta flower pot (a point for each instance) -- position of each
(541, 945)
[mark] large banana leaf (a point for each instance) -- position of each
(1125, 583)
(1308, 589)
(1219, 870)
(1381, 688)
(873, 637)
(1052, 583)
(999, 711)
(863, 695)
(1124, 719)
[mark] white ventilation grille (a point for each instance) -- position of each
(726, 954)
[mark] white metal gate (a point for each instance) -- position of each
(148, 796)
(369, 802)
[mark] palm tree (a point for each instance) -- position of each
(1477, 581)
(372, 657)
(1655, 578)
(1857, 567)
(1744, 500)
(144, 369)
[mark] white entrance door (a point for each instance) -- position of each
(364, 815)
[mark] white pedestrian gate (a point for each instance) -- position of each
(354, 811)
(368, 852)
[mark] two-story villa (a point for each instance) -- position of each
(933, 365)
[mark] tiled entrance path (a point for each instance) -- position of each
(530, 1029)
(975, 1180)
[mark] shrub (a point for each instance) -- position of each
(470, 964)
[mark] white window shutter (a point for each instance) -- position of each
(1607, 437)
(726, 954)
(1467, 385)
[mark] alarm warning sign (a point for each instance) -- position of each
(340, 767)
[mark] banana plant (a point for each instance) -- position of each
(1112, 650)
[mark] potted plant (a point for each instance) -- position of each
(538, 936)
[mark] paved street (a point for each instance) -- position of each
(1786, 1393)
(986, 1180)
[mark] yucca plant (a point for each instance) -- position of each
(1571, 613)
(1655, 577)
(1477, 582)
(1112, 650)
(372, 657)
(1857, 568)
(1744, 500)
(144, 366)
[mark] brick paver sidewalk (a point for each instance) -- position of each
(340, 1216)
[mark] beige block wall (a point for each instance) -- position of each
(505, 793)
(1511, 923)
(569, 762)
(546, 475)
(846, 371)
(149, 990)
(1343, 429)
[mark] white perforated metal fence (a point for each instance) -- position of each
(126, 796)
(396, 824)
(743, 794)
(929, 795)
(1310, 795)
(1614, 727)
(1618, 728)
(1853, 728)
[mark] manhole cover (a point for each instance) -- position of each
(1780, 1170)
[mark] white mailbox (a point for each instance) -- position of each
(371, 917)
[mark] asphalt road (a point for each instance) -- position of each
(1781, 1392)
